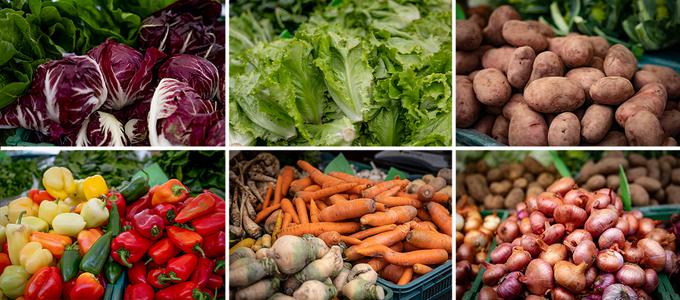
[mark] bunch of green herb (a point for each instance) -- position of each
(16, 176)
(114, 166)
(198, 170)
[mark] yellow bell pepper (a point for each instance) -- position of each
(23, 204)
(94, 186)
(68, 224)
(50, 209)
(3, 236)
(18, 235)
(35, 223)
(33, 257)
(94, 213)
(59, 183)
(4, 215)
(80, 193)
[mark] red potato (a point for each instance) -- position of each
(492, 87)
(596, 123)
(519, 66)
(493, 32)
(651, 97)
(520, 33)
(468, 35)
(554, 95)
(527, 128)
(619, 61)
(564, 130)
(499, 132)
(600, 46)
(467, 105)
(576, 51)
(497, 58)
(667, 76)
(642, 78)
(614, 138)
(585, 77)
(611, 90)
(644, 129)
(670, 121)
(546, 64)
(467, 61)
(516, 103)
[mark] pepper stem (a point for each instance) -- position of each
(21, 216)
(197, 248)
(155, 231)
(124, 255)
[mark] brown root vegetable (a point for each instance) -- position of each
(546, 64)
(585, 77)
(600, 46)
(644, 129)
(670, 121)
(576, 51)
(611, 90)
(260, 290)
(249, 270)
(468, 35)
(315, 290)
(293, 253)
(362, 289)
(520, 33)
(468, 61)
(554, 95)
(528, 128)
(651, 97)
(596, 123)
(565, 130)
(493, 32)
(669, 77)
(497, 58)
(491, 87)
(520, 65)
(619, 61)
(467, 105)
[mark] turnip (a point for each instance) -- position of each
(248, 270)
(280, 296)
(239, 253)
(363, 271)
(321, 269)
(361, 289)
(263, 253)
(258, 291)
(293, 253)
(340, 280)
(315, 290)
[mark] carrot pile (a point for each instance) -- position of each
(402, 232)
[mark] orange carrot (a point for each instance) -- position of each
(423, 215)
(312, 188)
(300, 184)
(301, 210)
(387, 238)
(353, 196)
(373, 231)
(321, 205)
(335, 238)
(357, 189)
(395, 215)
(424, 225)
(380, 207)
(325, 192)
(335, 199)
(441, 217)
(268, 196)
(421, 269)
(321, 227)
(347, 210)
(392, 272)
(317, 176)
(350, 178)
(383, 186)
(375, 250)
(389, 193)
(426, 257)
(313, 212)
(397, 247)
(399, 201)
(404, 194)
(286, 219)
(427, 239)
(287, 174)
(406, 276)
(288, 208)
(408, 247)
(263, 214)
(377, 263)
(441, 198)
(277, 191)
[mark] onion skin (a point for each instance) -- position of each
(510, 287)
(578, 197)
(633, 224)
(570, 215)
(529, 243)
(612, 236)
(598, 201)
(486, 293)
(632, 254)
(585, 252)
(553, 253)
(560, 293)
(518, 260)
(618, 291)
(553, 234)
(537, 220)
(609, 261)
(493, 273)
(562, 186)
(500, 254)
(547, 203)
(663, 237)
(672, 263)
(601, 220)
(653, 255)
(602, 282)
(460, 291)
(570, 276)
(591, 275)
(651, 281)
(592, 297)
(465, 252)
(622, 224)
(525, 226)
(576, 237)
(631, 275)
(642, 295)
(463, 272)
(534, 297)
(645, 226)
(532, 204)
(507, 231)
(538, 277)
(477, 239)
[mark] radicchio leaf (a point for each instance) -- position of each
(100, 129)
(198, 72)
(216, 136)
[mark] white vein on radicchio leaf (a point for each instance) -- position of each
(100, 129)
(63, 94)
(196, 71)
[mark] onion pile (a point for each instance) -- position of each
(569, 243)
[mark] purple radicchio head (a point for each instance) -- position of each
(198, 72)
(100, 129)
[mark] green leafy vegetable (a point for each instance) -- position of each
(198, 170)
(624, 189)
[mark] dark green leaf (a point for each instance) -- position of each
(624, 189)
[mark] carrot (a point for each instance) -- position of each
(313, 212)
(375, 250)
(263, 214)
(406, 276)
(423, 215)
(380, 207)
(408, 247)
(373, 231)
(287, 175)
(377, 263)
(421, 269)
(300, 184)
(321, 227)
(337, 198)
(317, 176)
(397, 247)
(395, 215)
(404, 194)
(392, 272)
(441, 198)
(399, 201)
(347, 210)
(357, 189)
(277, 191)
(427, 239)
(301, 211)
(334, 238)
(426, 257)
(424, 225)
(383, 186)
(387, 238)
(312, 188)
(353, 196)
(288, 208)
(325, 192)
(268, 196)
(350, 178)
(389, 193)
(440, 216)
(321, 205)
(286, 219)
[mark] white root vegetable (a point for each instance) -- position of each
(251, 228)
(320, 269)
(281, 296)
(341, 279)
(270, 223)
(414, 186)
(258, 291)
(293, 253)
(315, 290)
(248, 270)
(263, 253)
(360, 289)
(241, 252)
(363, 271)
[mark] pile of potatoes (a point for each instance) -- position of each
(506, 185)
(521, 85)
(653, 181)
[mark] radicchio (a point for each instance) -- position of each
(100, 129)
(198, 72)
(179, 116)
(216, 136)
(63, 94)
(128, 73)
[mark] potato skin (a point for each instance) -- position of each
(643, 77)
(670, 121)
(546, 64)
(669, 78)
(520, 65)
(614, 138)
(644, 129)
(500, 130)
(541, 27)
(516, 103)
(497, 58)
(597, 63)
(554, 95)
(485, 124)
(468, 35)
(520, 33)
(527, 128)
(611, 90)
(576, 51)
(585, 77)
(467, 106)
(596, 123)
(493, 32)
(491, 87)
(600, 46)
(467, 61)
(619, 61)
(651, 97)
(565, 130)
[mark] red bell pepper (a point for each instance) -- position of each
(162, 251)
(183, 266)
(129, 247)
(215, 282)
(138, 291)
(4, 261)
(215, 245)
(39, 196)
(220, 265)
(161, 277)
(44, 284)
(204, 269)
(66, 289)
(138, 206)
(207, 225)
(137, 274)
(117, 198)
(86, 287)
(170, 192)
(182, 291)
(166, 211)
(201, 205)
(148, 225)
(186, 240)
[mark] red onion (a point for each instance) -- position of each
(651, 281)
(591, 275)
(547, 203)
(529, 242)
(537, 220)
(602, 282)
(560, 293)
(532, 204)
(562, 186)
(500, 254)
(653, 255)
(618, 291)
(671, 263)
(637, 214)
(538, 277)
(585, 252)
(525, 226)
(507, 230)
(611, 236)
(480, 257)
(493, 273)
(675, 225)
(631, 275)
(642, 295)
(465, 252)
(618, 204)
(553, 233)
(577, 197)
(598, 201)
(663, 237)
(576, 237)
(570, 215)
(460, 291)
(534, 297)
(571, 276)
(601, 220)
(609, 261)
(553, 253)
(633, 224)
(632, 254)
(645, 226)
(622, 224)
(463, 272)
(592, 297)
(510, 287)
(486, 293)
(518, 260)
(524, 213)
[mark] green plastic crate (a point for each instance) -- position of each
(433, 285)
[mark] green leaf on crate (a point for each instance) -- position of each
(394, 172)
(559, 164)
(339, 164)
(156, 174)
(624, 189)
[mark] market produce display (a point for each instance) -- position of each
(109, 77)
(520, 84)
(346, 73)
(77, 237)
(304, 234)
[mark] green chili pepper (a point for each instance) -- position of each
(135, 189)
(96, 256)
(114, 220)
(112, 271)
(70, 262)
